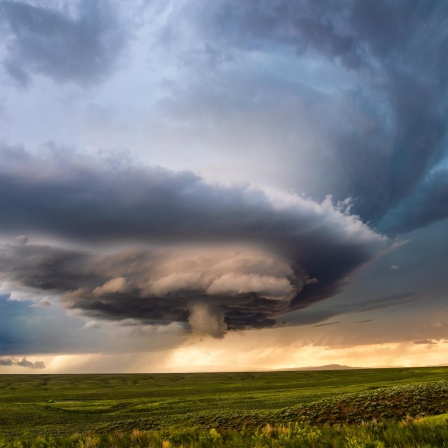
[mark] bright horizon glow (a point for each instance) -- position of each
(202, 356)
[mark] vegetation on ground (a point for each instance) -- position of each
(422, 433)
(415, 400)
(369, 408)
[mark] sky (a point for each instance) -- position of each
(222, 186)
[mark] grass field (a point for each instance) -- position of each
(94, 405)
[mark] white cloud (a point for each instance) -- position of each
(267, 286)
(115, 285)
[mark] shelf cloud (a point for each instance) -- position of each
(233, 254)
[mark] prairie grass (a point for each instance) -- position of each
(366, 408)
(404, 434)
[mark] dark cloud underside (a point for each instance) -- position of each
(319, 245)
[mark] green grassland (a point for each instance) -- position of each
(93, 406)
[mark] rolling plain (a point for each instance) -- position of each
(208, 408)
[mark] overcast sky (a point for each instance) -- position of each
(193, 185)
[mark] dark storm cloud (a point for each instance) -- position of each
(305, 249)
(21, 363)
(84, 277)
(389, 130)
(40, 40)
(88, 281)
(75, 199)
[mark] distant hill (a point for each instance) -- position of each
(327, 367)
